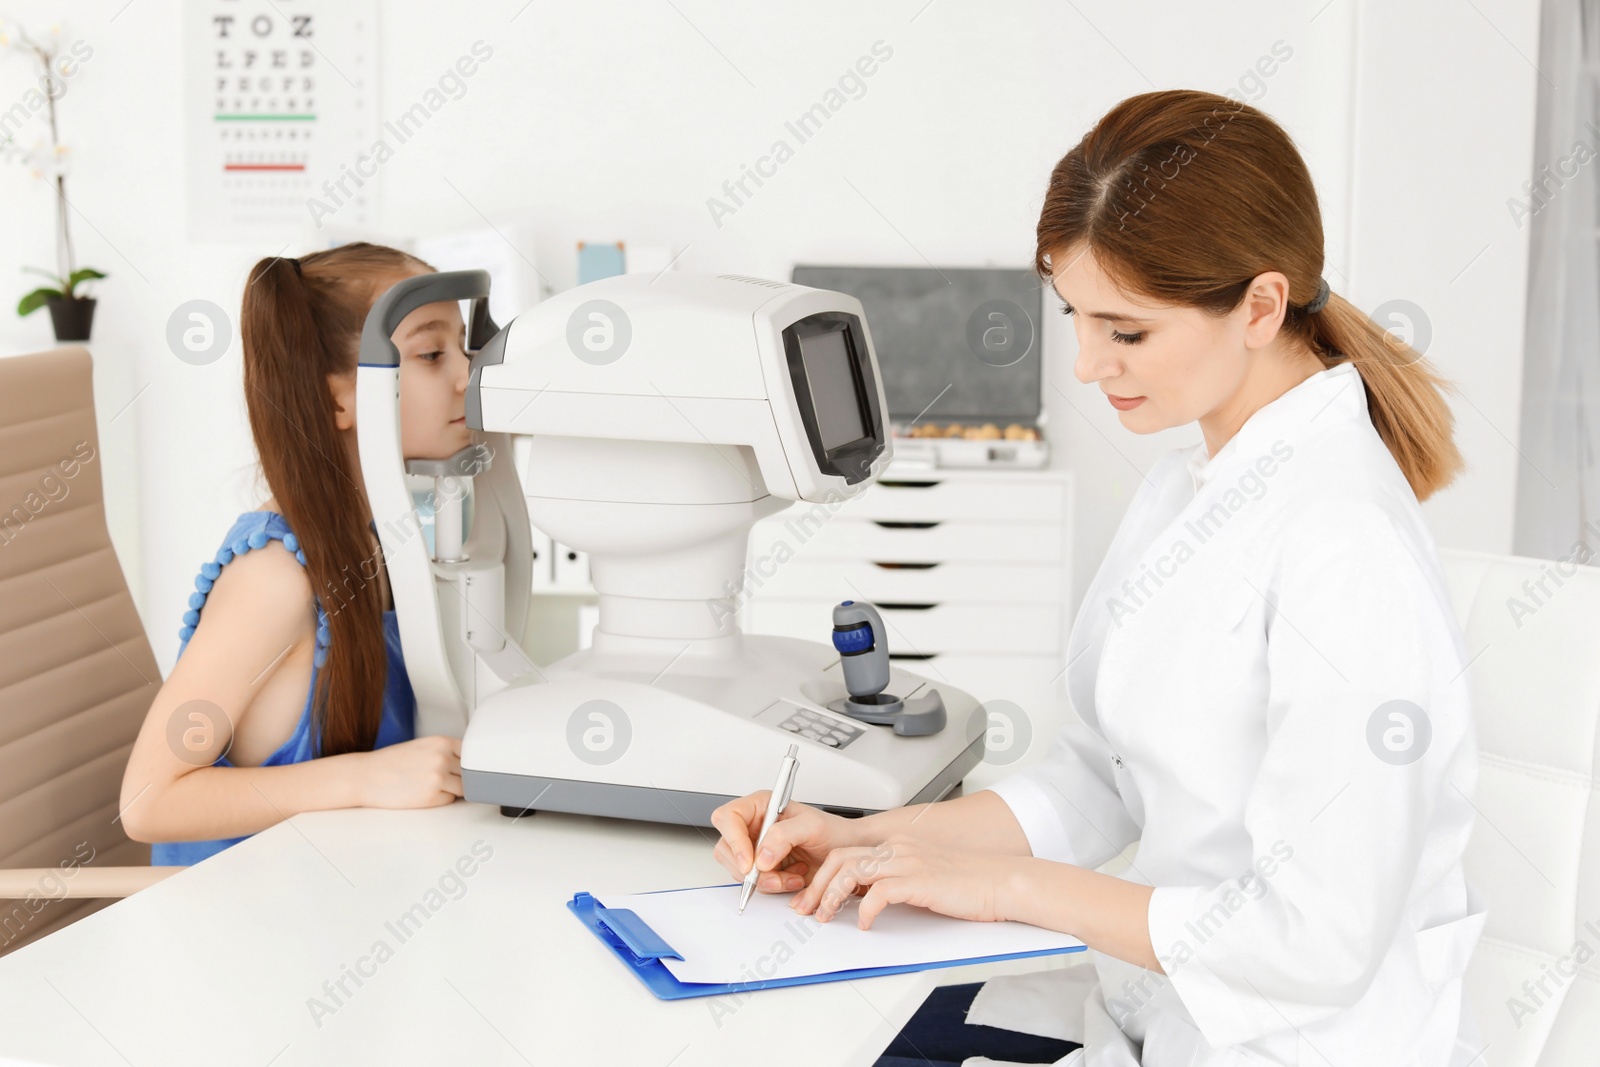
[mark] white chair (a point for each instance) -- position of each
(1535, 852)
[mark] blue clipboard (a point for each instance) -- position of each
(641, 950)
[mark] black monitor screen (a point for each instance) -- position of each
(831, 374)
(952, 344)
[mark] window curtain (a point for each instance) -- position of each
(1558, 487)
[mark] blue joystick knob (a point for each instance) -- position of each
(858, 634)
(854, 640)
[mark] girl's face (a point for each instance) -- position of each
(433, 381)
(1163, 366)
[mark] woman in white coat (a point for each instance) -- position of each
(1268, 680)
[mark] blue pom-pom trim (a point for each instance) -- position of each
(212, 569)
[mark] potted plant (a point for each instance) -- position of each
(71, 313)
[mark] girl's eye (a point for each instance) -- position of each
(432, 357)
(1066, 309)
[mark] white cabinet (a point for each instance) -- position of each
(971, 570)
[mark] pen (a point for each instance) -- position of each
(775, 805)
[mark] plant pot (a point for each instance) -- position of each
(71, 316)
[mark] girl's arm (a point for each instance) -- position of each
(256, 619)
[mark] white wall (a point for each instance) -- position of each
(1444, 117)
(612, 120)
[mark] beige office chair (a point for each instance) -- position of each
(76, 672)
(1536, 848)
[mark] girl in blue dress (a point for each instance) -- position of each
(289, 693)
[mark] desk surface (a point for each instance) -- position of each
(224, 962)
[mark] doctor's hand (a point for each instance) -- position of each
(794, 848)
(424, 772)
(903, 869)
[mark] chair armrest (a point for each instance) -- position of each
(84, 882)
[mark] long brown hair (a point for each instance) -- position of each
(1186, 197)
(300, 322)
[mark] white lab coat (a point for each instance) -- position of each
(1254, 612)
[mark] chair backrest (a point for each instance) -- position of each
(76, 671)
(1533, 630)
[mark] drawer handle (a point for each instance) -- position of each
(890, 483)
(921, 657)
(888, 524)
(888, 566)
(903, 605)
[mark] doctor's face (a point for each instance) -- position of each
(1159, 366)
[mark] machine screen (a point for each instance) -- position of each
(830, 372)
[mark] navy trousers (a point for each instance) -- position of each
(938, 1035)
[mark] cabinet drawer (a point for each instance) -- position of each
(993, 583)
(1019, 628)
(933, 497)
(942, 542)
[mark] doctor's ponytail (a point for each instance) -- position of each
(1186, 197)
(301, 322)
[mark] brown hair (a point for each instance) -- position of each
(301, 321)
(1186, 197)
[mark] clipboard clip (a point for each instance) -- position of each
(624, 929)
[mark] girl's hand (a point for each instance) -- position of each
(903, 869)
(421, 773)
(794, 849)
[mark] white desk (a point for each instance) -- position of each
(217, 964)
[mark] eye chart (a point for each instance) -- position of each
(281, 95)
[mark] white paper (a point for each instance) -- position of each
(771, 941)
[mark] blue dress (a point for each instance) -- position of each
(253, 530)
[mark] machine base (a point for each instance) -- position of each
(519, 795)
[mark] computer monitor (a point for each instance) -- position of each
(952, 344)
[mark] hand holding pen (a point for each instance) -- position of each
(776, 802)
(794, 843)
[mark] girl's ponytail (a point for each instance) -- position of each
(300, 323)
